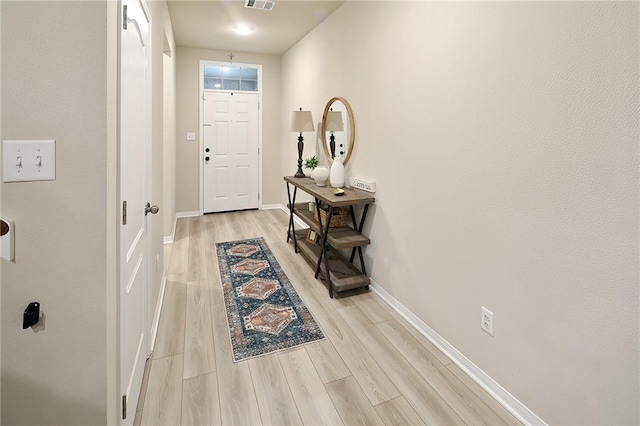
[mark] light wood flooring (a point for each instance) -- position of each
(373, 368)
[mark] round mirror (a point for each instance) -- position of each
(338, 130)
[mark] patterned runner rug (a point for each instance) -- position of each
(264, 312)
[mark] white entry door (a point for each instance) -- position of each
(230, 136)
(135, 152)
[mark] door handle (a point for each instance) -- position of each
(150, 209)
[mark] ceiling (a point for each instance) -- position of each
(211, 24)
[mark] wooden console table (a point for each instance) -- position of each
(342, 274)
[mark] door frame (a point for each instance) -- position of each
(204, 62)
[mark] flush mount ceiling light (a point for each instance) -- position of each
(243, 29)
(260, 4)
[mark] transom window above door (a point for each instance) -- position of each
(242, 79)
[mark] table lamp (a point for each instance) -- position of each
(301, 121)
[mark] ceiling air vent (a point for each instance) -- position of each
(259, 4)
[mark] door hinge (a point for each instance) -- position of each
(258, 151)
(124, 407)
(124, 17)
(258, 195)
(124, 212)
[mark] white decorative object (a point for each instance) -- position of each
(320, 175)
(337, 173)
(365, 185)
(6, 239)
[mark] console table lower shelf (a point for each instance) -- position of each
(344, 275)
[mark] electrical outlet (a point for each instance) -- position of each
(487, 321)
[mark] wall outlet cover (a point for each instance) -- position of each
(486, 322)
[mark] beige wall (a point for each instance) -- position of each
(55, 87)
(188, 153)
(113, 216)
(61, 83)
(504, 141)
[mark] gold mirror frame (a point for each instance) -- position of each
(351, 137)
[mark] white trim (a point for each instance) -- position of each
(180, 215)
(200, 136)
(168, 239)
(271, 207)
(500, 394)
(156, 316)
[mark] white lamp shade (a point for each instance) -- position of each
(334, 121)
(301, 121)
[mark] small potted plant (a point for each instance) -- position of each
(318, 173)
(311, 163)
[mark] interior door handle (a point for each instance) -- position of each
(150, 209)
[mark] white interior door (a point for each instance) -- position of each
(230, 136)
(135, 152)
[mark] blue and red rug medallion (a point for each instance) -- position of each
(264, 312)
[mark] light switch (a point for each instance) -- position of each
(191, 136)
(28, 160)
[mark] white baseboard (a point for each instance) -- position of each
(270, 206)
(187, 214)
(299, 221)
(500, 394)
(168, 239)
(156, 316)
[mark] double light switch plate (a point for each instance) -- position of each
(28, 160)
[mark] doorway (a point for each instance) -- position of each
(231, 137)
